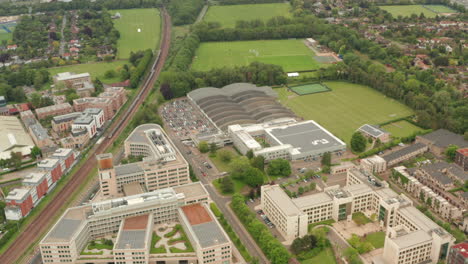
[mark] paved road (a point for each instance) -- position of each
(31, 233)
(196, 160)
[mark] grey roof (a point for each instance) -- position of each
(128, 169)
(39, 131)
(443, 138)
(65, 229)
(66, 117)
(307, 137)
(465, 195)
(413, 238)
(209, 234)
(83, 120)
(439, 171)
(372, 130)
(139, 135)
(92, 111)
(404, 151)
(135, 239)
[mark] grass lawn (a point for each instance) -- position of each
(401, 128)
(360, 219)
(221, 165)
(292, 55)
(148, 20)
(377, 239)
(5, 36)
(347, 107)
(440, 9)
(408, 10)
(97, 69)
(229, 14)
(238, 186)
(324, 257)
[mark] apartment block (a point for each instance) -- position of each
(132, 220)
(91, 120)
(405, 153)
(18, 203)
(78, 139)
(62, 123)
(117, 95)
(104, 104)
(440, 139)
(374, 164)
(37, 181)
(162, 166)
(461, 158)
(54, 110)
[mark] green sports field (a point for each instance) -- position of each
(95, 69)
(440, 9)
(292, 55)
(345, 108)
(228, 15)
(408, 10)
(401, 128)
(149, 23)
(310, 88)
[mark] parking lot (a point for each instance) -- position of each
(185, 119)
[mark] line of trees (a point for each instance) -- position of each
(140, 70)
(184, 12)
(270, 246)
(246, 2)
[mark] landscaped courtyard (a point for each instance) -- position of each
(170, 238)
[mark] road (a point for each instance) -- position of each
(37, 227)
(195, 159)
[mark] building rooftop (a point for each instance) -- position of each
(50, 108)
(196, 214)
(62, 152)
(358, 189)
(463, 151)
(34, 178)
(304, 136)
(47, 163)
(83, 120)
(312, 200)
(440, 170)
(66, 117)
(63, 76)
(18, 194)
(68, 225)
(404, 151)
(92, 111)
(443, 138)
(134, 233)
(372, 130)
(132, 188)
(39, 131)
(418, 218)
(13, 134)
(462, 249)
(282, 200)
(411, 239)
(191, 190)
(129, 168)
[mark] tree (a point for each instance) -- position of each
(213, 148)
(249, 154)
(358, 142)
(166, 91)
(224, 155)
(450, 152)
(326, 159)
(238, 166)
(325, 178)
(312, 186)
(110, 74)
(227, 185)
(203, 147)
(258, 162)
(16, 159)
(253, 177)
(36, 152)
(279, 168)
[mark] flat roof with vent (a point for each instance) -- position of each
(134, 233)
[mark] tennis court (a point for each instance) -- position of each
(309, 88)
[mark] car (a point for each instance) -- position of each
(259, 212)
(251, 200)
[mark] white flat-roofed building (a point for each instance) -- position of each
(18, 203)
(374, 164)
(162, 165)
(211, 243)
(133, 218)
(290, 221)
(14, 138)
(288, 139)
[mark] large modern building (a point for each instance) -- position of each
(287, 139)
(162, 165)
(411, 236)
(239, 103)
(132, 220)
(14, 138)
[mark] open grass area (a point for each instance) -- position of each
(5, 36)
(440, 9)
(408, 10)
(401, 128)
(292, 55)
(238, 186)
(97, 70)
(221, 165)
(377, 239)
(344, 109)
(324, 257)
(147, 20)
(310, 88)
(228, 15)
(360, 219)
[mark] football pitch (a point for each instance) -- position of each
(139, 30)
(401, 128)
(345, 108)
(408, 10)
(228, 15)
(309, 88)
(292, 55)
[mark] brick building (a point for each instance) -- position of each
(94, 102)
(53, 110)
(461, 158)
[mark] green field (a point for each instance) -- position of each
(96, 70)
(377, 239)
(228, 15)
(4, 35)
(324, 257)
(401, 128)
(440, 9)
(408, 10)
(292, 55)
(310, 88)
(147, 20)
(344, 109)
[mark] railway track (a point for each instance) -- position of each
(40, 224)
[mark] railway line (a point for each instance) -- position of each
(40, 224)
